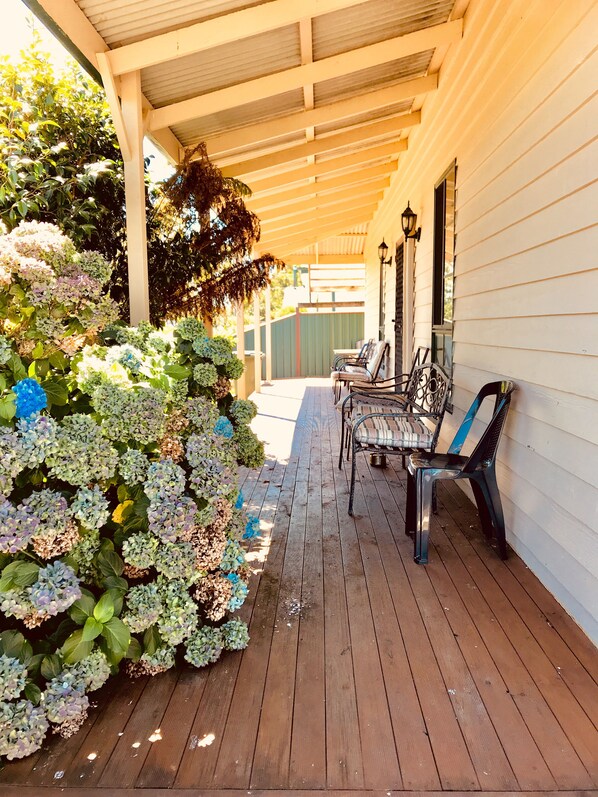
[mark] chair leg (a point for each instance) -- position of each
(487, 497)
(410, 511)
(495, 507)
(353, 468)
(424, 489)
(435, 499)
(340, 453)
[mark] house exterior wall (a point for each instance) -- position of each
(517, 108)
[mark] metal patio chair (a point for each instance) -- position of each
(424, 469)
(412, 423)
(364, 373)
(380, 392)
(359, 359)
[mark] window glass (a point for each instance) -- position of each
(444, 269)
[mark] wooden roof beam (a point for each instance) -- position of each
(340, 259)
(225, 29)
(297, 77)
(318, 147)
(285, 178)
(313, 233)
(312, 216)
(352, 135)
(253, 135)
(259, 202)
(317, 202)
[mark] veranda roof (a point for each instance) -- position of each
(310, 103)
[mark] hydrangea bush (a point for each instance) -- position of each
(122, 528)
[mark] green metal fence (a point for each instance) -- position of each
(303, 343)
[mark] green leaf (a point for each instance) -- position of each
(8, 406)
(58, 360)
(76, 648)
(16, 366)
(122, 493)
(117, 595)
(104, 608)
(18, 574)
(13, 644)
(177, 372)
(110, 563)
(134, 650)
(56, 391)
(82, 608)
(91, 629)
(151, 640)
(33, 692)
(51, 666)
(38, 351)
(116, 583)
(117, 635)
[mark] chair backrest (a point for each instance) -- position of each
(376, 358)
(428, 390)
(419, 358)
(485, 451)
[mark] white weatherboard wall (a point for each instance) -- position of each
(517, 107)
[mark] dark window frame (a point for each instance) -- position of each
(442, 329)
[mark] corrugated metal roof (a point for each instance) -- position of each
(376, 76)
(199, 74)
(250, 113)
(122, 22)
(362, 118)
(219, 67)
(374, 21)
(350, 243)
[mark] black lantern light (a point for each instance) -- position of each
(408, 222)
(382, 252)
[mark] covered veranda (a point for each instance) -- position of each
(366, 673)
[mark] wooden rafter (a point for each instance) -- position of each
(297, 77)
(254, 135)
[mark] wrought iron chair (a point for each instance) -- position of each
(397, 383)
(424, 469)
(359, 359)
(380, 392)
(364, 373)
(411, 424)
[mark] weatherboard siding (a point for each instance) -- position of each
(517, 107)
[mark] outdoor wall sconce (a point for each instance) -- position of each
(382, 252)
(408, 222)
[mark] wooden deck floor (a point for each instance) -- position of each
(365, 673)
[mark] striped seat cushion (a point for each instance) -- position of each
(358, 372)
(399, 432)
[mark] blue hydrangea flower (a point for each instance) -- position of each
(240, 500)
(252, 529)
(224, 427)
(31, 397)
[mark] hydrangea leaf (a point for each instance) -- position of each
(18, 574)
(33, 692)
(51, 666)
(8, 406)
(56, 391)
(76, 648)
(151, 640)
(82, 608)
(110, 563)
(177, 372)
(104, 609)
(92, 629)
(117, 636)
(115, 583)
(134, 650)
(14, 644)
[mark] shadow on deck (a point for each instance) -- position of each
(365, 673)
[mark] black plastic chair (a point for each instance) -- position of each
(425, 468)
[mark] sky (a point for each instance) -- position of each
(16, 33)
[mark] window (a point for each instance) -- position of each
(444, 269)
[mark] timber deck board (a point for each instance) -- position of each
(366, 673)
